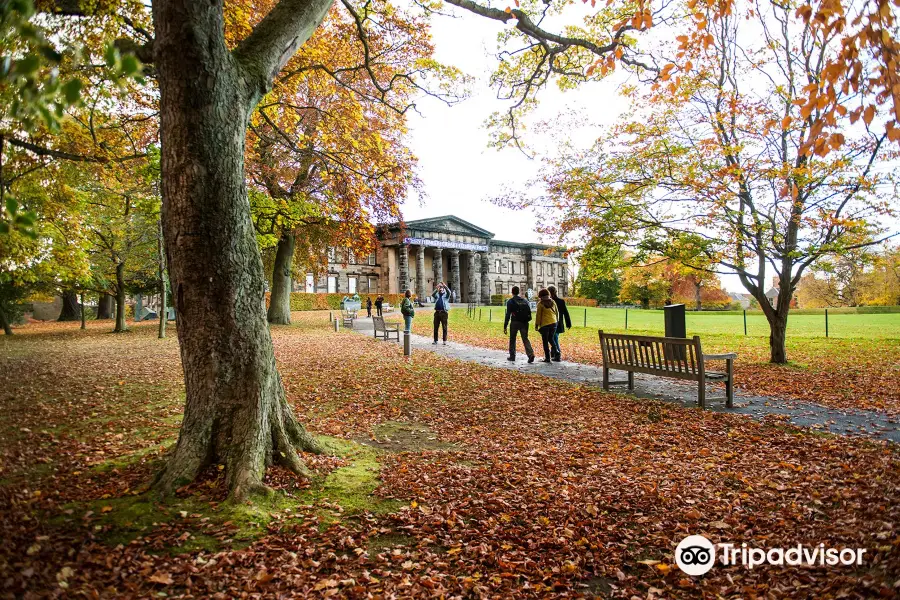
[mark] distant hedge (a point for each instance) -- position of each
(571, 301)
(303, 301)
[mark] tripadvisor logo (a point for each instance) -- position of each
(696, 555)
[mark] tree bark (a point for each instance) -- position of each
(697, 295)
(777, 340)
(83, 324)
(70, 310)
(236, 413)
(280, 299)
(4, 322)
(120, 298)
(105, 307)
(163, 289)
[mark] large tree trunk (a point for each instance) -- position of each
(163, 288)
(236, 412)
(120, 298)
(105, 307)
(83, 324)
(280, 299)
(4, 322)
(70, 309)
(698, 295)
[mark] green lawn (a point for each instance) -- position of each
(800, 323)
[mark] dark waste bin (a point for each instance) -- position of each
(675, 327)
(675, 320)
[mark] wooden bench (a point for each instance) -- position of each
(384, 330)
(677, 358)
(347, 318)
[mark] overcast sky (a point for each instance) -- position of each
(460, 173)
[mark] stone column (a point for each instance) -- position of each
(529, 272)
(472, 295)
(437, 265)
(403, 266)
(420, 273)
(485, 278)
(454, 273)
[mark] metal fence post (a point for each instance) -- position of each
(626, 319)
(585, 317)
(479, 314)
(490, 311)
(745, 321)
(826, 322)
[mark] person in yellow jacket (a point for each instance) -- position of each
(545, 321)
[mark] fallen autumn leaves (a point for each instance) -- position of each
(538, 488)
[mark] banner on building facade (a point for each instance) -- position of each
(444, 244)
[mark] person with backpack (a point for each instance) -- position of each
(368, 306)
(408, 310)
(378, 302)
(441, 310)
(564, 321)
(546, 319)
(518, 315)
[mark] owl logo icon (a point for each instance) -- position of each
(695, 555)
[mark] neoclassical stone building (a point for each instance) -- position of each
(466, 257)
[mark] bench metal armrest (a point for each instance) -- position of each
(726, 356)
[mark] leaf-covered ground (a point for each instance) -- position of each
(840, 373)
(448, 480)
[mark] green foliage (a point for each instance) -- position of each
(32, 90)
(12, 218)
(599, 270)
(302, 301)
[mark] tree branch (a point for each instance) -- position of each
(41, 151)
(276, 38)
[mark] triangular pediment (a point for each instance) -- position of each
(449, 224)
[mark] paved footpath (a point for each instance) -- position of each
(805, 414)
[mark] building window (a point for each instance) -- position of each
(310, 283)
(540, 269)
(373, 285)
(332, 255)
(351, 257)
(351, 282)
(499, 287)
(522, 267)
(371, 259)
(512, 268)
(497, 268)
(332, 284)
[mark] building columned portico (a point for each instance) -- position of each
(464, 256)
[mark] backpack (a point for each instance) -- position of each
(406, 308)
(521, 310)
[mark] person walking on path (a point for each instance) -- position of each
(378, 302)
(368, 306)
(408, 310)
(441, 310)
(564, 321)
(545, 321)
(518, 315)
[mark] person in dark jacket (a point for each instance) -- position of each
(368, 306)
(378, 302)
(564, 322)
(518, 315)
